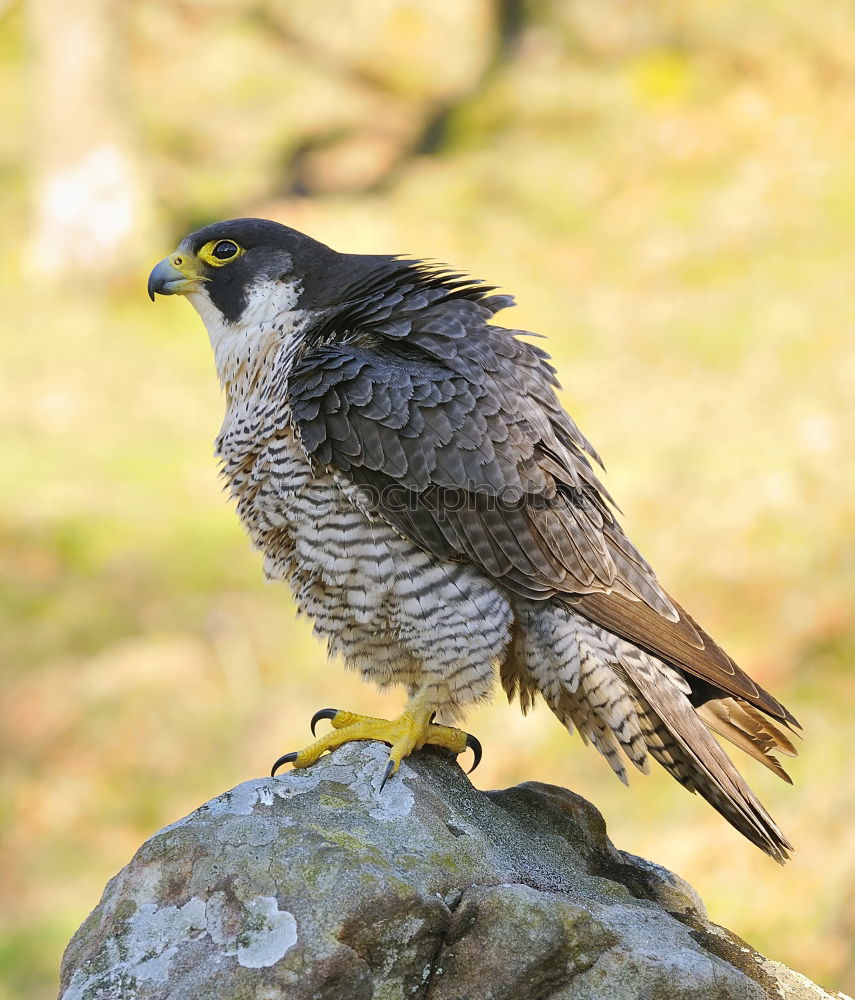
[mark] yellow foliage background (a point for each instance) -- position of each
(667, 188)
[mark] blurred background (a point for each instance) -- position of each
(667, 187)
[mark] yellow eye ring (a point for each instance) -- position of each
(220, 252)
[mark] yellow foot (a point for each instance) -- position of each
(410, 731)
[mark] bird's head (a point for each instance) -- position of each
(227, 267)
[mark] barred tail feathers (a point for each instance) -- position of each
(631, 705)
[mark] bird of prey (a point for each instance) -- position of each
(404, 463)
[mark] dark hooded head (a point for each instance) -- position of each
(227, 260)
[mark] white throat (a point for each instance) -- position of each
(270, 324)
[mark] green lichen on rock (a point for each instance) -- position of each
(317, 886)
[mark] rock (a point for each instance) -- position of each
(316, 886)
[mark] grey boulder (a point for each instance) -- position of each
(316, 886)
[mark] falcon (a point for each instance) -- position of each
(405, 464)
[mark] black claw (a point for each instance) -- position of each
(390, 767)
(325, 713)
(475, 746)
(286, 758)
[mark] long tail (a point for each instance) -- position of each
(633, 705)
(679, 739)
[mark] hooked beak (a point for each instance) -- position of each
(174, 275)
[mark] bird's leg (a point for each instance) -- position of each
(411, 730)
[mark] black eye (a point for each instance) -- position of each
(224, 250)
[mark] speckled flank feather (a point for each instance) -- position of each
(406, 466)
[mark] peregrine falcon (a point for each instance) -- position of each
(404, 463)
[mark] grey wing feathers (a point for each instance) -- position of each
(454, 428)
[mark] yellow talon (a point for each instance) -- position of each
(409, 731)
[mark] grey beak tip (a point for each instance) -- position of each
(154, 282)
(165, 279)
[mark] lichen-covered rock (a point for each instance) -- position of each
(316, 886)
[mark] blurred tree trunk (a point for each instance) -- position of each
(90, 200)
